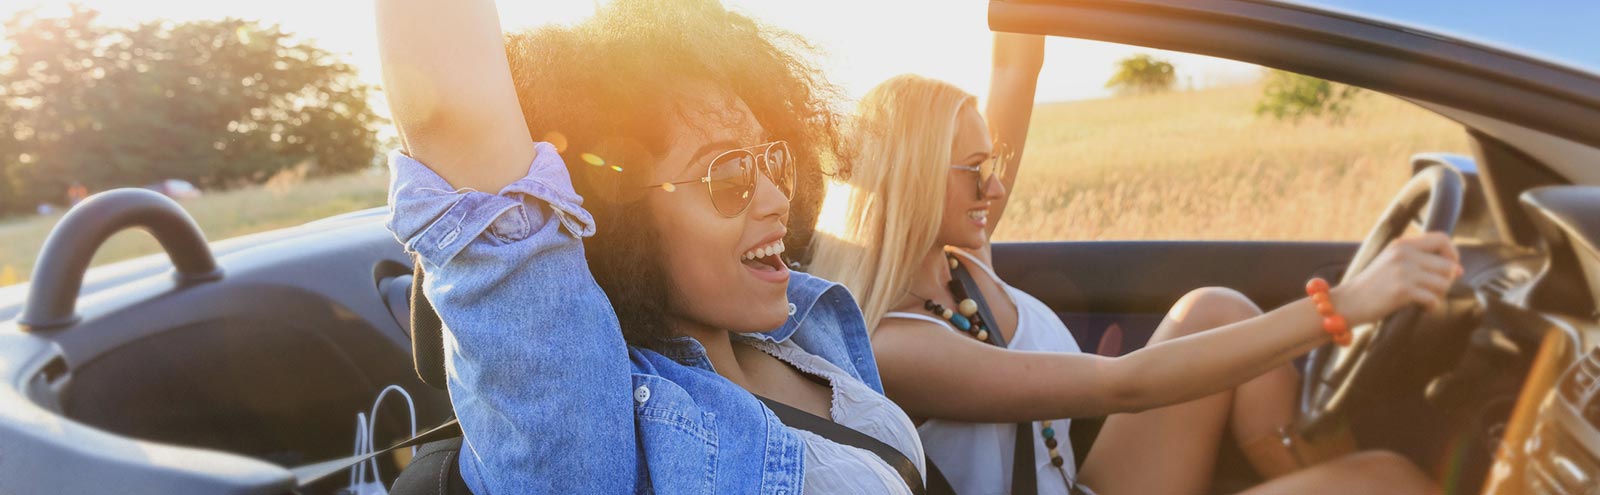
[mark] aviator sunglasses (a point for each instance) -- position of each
(731, 176)
(990, 169)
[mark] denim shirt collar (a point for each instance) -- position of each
(804, 290)
(826, 323)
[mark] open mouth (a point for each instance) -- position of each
(767, 258)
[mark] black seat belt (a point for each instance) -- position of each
(306, 475)
(1024, 480)
(844, 435)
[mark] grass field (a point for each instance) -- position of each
(1187, 165)
(281, 203)
(1202, 165)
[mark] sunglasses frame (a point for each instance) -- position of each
(762, 167)
(998, 160)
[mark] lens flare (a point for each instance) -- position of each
(556, 139)
(592, 159)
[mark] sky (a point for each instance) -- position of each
(867, 41)
(863, 42)
(1559, 30)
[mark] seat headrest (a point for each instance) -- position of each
(427, 335)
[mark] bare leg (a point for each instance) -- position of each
(1365, 472)
(1260, 407)
(1180, 441)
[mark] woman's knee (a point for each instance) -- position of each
(1209, 307)
(1375, 472)
(1384, 472)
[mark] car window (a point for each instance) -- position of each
(1257, 157)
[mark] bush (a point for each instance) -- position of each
(1142, 74)
(1290, 96)
(218, 103)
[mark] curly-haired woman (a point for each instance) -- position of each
(615, 295)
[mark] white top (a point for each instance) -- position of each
(835, 468)
(976, 457)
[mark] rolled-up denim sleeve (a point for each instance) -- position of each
(537, 368)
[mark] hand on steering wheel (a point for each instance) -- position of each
(1411, 270)
(1387, 284)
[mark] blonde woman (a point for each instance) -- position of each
(925, 197)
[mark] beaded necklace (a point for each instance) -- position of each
(969, 320)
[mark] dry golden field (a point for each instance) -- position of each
(1202, 165)
(1184, 165)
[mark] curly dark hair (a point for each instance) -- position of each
(604, 91)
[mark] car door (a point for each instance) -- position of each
(1097, 285)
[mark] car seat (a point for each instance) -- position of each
(435, 469)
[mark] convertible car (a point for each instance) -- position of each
(229, 367)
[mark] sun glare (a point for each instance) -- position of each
(832, 221)
(949, 39)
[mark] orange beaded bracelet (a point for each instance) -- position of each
(1332, 323)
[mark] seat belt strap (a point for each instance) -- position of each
(306, 475)
(1024, 478)
(844, 435)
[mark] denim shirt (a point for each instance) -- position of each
(550, 398)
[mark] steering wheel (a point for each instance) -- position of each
(1432, 198)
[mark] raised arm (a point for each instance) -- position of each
(450, 91)
(538, 372)
(1012, 82)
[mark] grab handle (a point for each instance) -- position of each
(58, 275)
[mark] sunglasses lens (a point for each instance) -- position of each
(780, 168)
(732, 181)
(992, 168)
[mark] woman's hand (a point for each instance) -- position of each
(1411, 270)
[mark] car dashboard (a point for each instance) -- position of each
(1563, 450)
(1552, 442)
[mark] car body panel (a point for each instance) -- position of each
(298, 328)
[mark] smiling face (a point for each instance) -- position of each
(964, 222)
(724, 272)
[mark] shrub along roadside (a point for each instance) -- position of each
(1290, 96)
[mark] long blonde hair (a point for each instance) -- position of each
(877, 225)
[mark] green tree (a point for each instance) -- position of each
(45, 85)
(1290, 96)
(218, 103)
(1142, 74)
